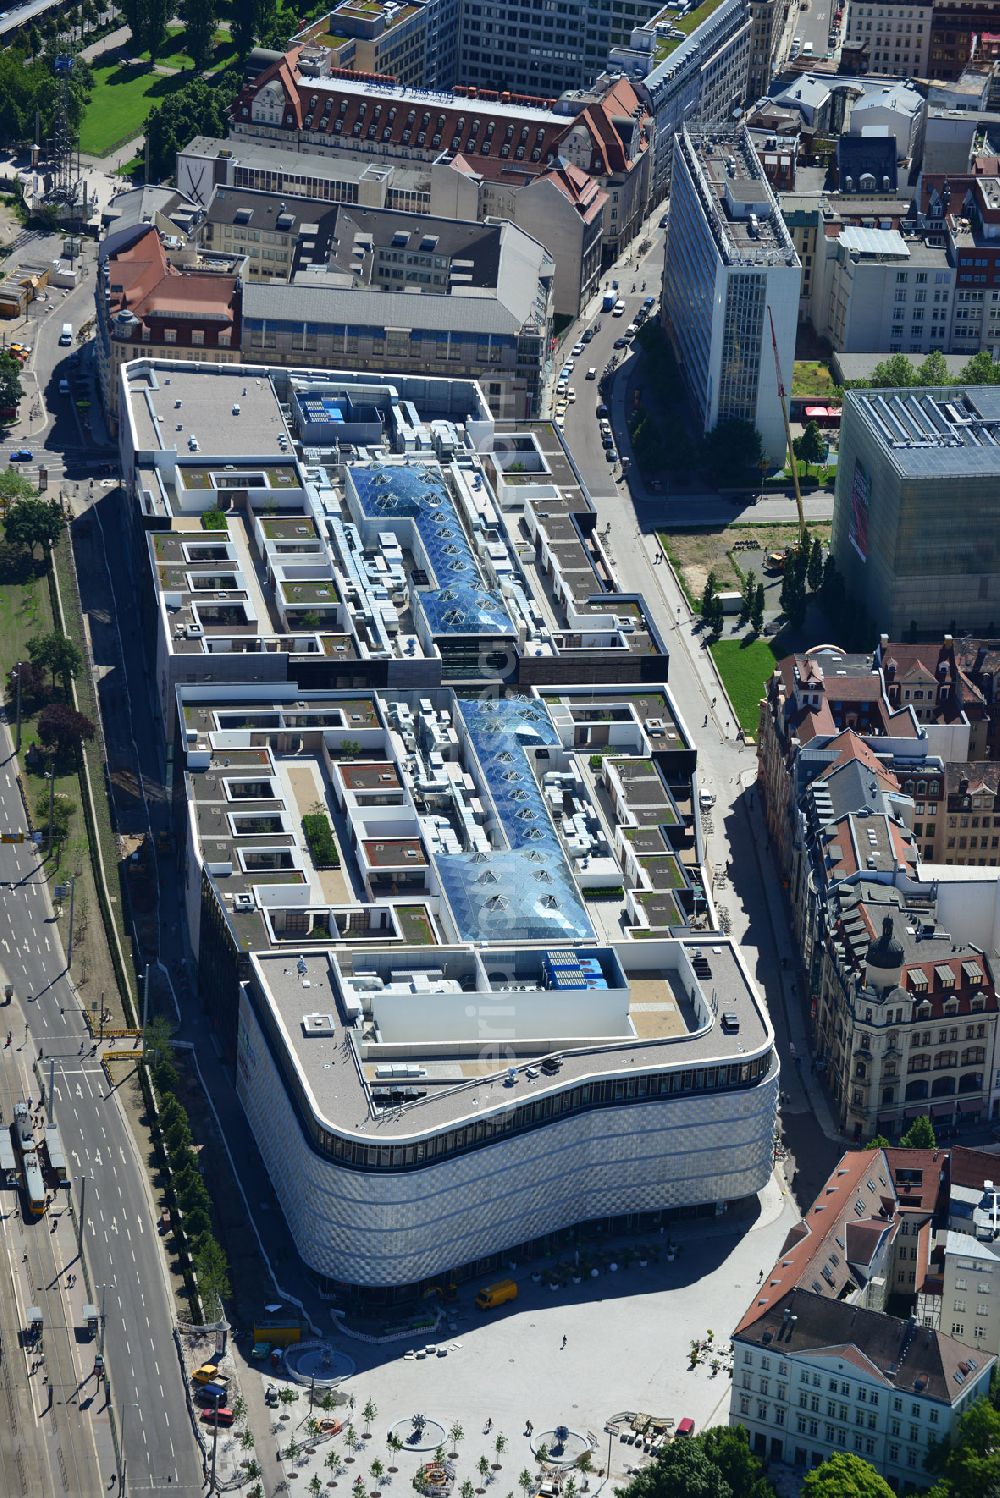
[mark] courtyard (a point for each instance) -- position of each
(571, 1357)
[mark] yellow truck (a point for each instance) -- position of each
(491, 1296)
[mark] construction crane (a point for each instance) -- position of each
(788, 430)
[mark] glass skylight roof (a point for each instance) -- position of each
(460, 603)
(525, 892)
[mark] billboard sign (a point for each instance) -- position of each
(861, 500)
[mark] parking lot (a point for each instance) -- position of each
(627, 1337)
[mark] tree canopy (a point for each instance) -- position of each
(732, 453)
(969, 1464)
(810, 448)
(11, 389)
(26, 86)
(718, 1463)
(200, 107)
(32, 521)
(920, 1135)
(63, 729)
(844, 1475)
(55, 653)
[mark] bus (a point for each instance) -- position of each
(24, 1143)
(8, 1161)
(56, 1155)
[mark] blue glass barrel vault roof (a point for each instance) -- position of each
(525, 892)
(459, 602)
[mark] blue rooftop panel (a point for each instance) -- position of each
(526, 892)
(460, 603)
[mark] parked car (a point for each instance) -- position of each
(611, 454)
(588, 335)
(602, 411)
(577, 350)
(620, 343)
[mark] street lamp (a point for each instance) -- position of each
(16, 673)
(83, 1204)
(123, 1459)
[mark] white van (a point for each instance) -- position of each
(66, 336)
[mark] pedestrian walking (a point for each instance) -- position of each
(564, 1340)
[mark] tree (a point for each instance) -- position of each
(147, 21)
(14, 486)
(63, 729)
(877, 1142)
(57, 654)
(212, 1270)
(757, 610)
(315, 1485)
(157, 1040)
(358, 1487)
(34, 522)
(728, 1448)
(732, 453)
(844, 1475)
(793, 597)
(455, 1435)
(368, 1414)
(250, 21)
(933, 370)
(525, 1481)
(467, 1490)
(982, 369)
(894, 373)
(500, 1445)
(920, 1135)
(377, 1470)
(200, 107)
(746, 597)
(483, 1468)
(395, 1446)
(708, 595)
(62, 814)
(10, 380)
(199, 17)
(810, 447)
(682, 1470)
(34, 686)
(814, 570)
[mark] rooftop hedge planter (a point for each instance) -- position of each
(322, 844)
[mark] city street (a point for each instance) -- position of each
(122, 1248)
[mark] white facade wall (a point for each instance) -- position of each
(388, 1229)
(807, 1406)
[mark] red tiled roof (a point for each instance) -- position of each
(808, 1258)
(489, 129)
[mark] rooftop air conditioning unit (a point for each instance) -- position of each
(243, 901)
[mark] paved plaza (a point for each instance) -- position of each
(627, 1335)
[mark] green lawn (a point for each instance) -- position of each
(118, 107)
(175, 56)
(687, 24)
(744, 670)
(25, 611)
(811, 377)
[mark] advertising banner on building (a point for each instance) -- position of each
(861, 499)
